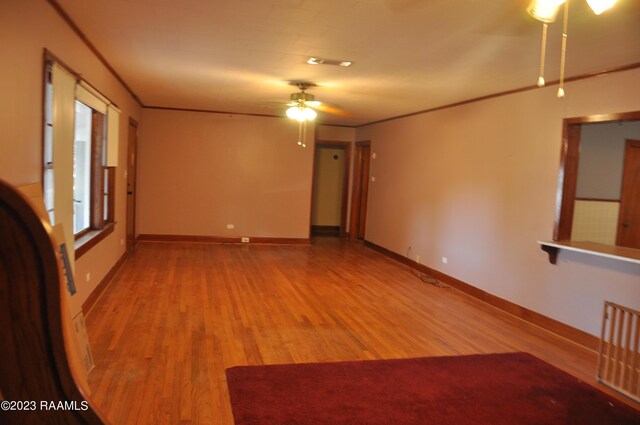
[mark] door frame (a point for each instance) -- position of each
(357, 192)
(346, 146)
(131, 189)
(626, 165)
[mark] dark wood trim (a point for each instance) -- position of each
(346, 146)
(97, 292)
(322, 230)
(614, 116)
(544, 322)
(92, 238)
(111, 193)
(97, 172)
(74, 27)
(628, 67)
(211, 111)
(221, 239)
(356, 194)
(567, 181)
(250, 114)
(568, 171)
(133, 122)
(597, 199)
(338, 125)
(552, 251)
(627, 193)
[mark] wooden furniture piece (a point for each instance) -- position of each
(34, 366)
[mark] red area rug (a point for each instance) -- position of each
(510, 389)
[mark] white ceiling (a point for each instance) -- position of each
(409, 55)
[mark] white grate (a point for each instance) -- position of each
(619, 358)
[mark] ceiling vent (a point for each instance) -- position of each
(335, 62)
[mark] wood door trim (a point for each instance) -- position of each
(345, 180)
(131, 199)
(568, 170)
(357, 188)
(629, 143)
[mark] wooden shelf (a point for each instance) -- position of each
(620, 253)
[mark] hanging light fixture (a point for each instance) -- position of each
(599, 6)
(546, 11)
(300, 111)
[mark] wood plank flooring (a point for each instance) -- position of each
(177, 315)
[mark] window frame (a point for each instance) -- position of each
(103, 176)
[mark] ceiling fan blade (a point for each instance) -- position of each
(332, 110)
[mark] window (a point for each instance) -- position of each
(82, 168)
(47, 178)
(90, 177)
(80, 153)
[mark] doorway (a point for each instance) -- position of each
(132, 150)
(360, 190)
(629, 221)
(330, 188)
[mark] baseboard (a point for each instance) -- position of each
(222, 240)
(576, 335)
(102, 286)
(317, 230)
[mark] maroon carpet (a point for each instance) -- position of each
(510, 389)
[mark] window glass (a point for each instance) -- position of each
(82, 168)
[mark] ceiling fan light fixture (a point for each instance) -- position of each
(309, 114)
(301, 113)
(295, 113)
(545, 10)
(599, 6)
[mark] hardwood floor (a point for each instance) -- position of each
(177, 315)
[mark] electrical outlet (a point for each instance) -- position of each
(445, 260)
(230, 226)
(244, 240)
(121, 242)
(88, 277)
(418, 259)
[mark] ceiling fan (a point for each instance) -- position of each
(303, 106)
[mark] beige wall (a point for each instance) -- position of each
(27, 27)
(198, 172)
(327, 187)
(334, 133)
(477, 184)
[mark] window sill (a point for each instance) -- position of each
(92, 238)
(608, 251)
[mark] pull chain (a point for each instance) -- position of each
(564, 48)
(543, 53)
